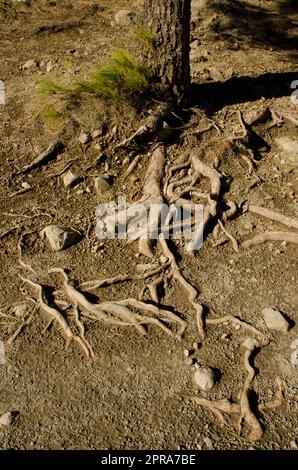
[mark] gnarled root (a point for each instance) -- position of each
(120, 312)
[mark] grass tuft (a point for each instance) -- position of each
(49, 87)
(121, 76)
(51, 115)
(144, 35)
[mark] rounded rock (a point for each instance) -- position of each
(204, 378)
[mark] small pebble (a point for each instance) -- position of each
(71, 179)
(196, 345)
(84, 138)
(208, 443)
(225, 336)
(293, 445)
(6, 419)
(189, 361)
(186, 352)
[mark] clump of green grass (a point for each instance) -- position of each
(121, 76)
(49, 87)
(51, 115)
(144, 35)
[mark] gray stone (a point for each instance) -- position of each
(84, 138)
(71, 179)
(30, 64)
(125, 17)
(275, 320)
(101, 184)
(294, 344)
(6, 419)
(204, 378)
(60, 238)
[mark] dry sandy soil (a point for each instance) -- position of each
(133, 394)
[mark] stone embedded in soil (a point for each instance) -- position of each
(294, 358)
(30, 64)
(102, 184)
(257, 115)
(71, 179)
(288, 155)
(294, 344)
(84, 138)
(204, 378)
(20, 310)
(125, 17)
(275, 320)
(208, 443)
(6, 419)
(60, 238)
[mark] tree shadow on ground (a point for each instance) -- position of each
(268, 24)
(215, 95)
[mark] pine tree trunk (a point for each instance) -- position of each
(169, 21)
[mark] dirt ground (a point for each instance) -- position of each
(133, 394)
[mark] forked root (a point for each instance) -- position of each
(217, 407)
(120, 312)
(56, 315)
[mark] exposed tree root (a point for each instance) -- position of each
(230, 319)
(92, 285)
(192, 292)
(147, 130)
(21, 327)
(217, 407)
(121, 313)
(290, 222)
(152, 191)
(58, 317)
(131, 167)
(233, 239)
(247, 415)
(271, 236)
(52, 151)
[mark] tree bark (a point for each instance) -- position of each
(169, 21)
